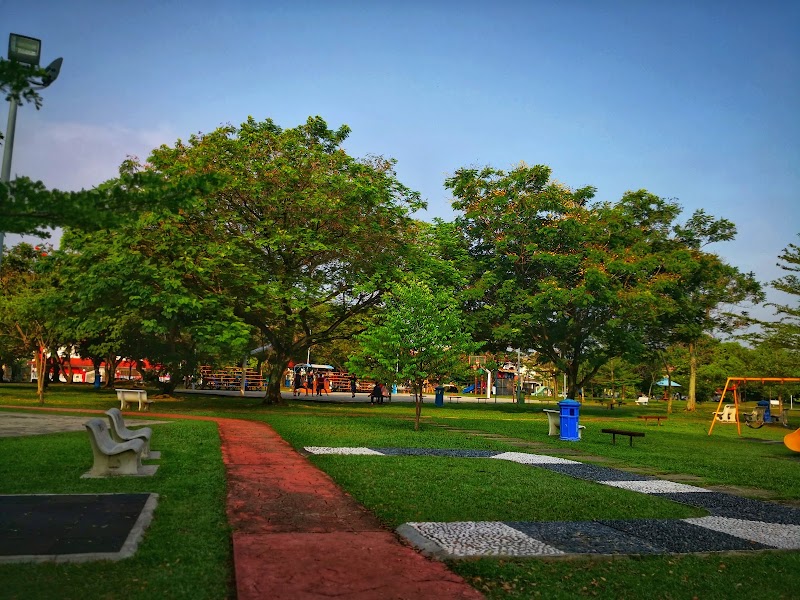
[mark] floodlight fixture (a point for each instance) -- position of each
(52, 71)
(24, 49)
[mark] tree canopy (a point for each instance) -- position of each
(420, 337)
(296, 240)
(577, 281)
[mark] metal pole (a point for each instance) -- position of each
(8, 150)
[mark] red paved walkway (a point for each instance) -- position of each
(297, 535)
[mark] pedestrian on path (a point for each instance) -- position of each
(353, 385)
(321, 385)
(310, 382)
(298, 381)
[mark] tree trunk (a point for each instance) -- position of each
(40, 375)
(111, 370)
(669, 385)
(417, 404)
(275, 369)
(691, 400)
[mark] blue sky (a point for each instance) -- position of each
(694, 101)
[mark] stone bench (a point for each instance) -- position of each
(554, 422)
(126, 397)
(120, 433)
(110, 457)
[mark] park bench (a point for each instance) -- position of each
(110, 457)
(647, 418)
(615, 432)
(127, 397)
(554, 422)
(457, 398)
(642, 400)
(727, 415)
(120, 433)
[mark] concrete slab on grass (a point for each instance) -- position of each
(72, 527)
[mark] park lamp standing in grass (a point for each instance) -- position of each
(19, 79)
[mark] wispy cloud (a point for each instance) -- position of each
(72, 156)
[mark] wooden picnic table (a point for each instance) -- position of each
(658, 418)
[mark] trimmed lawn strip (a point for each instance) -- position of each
(185, 552)
(407, 489)
(671, 577)
(681, 445)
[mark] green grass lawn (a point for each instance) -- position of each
(177, 560)
(186, 550)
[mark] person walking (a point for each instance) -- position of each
(353, 385)
(310, 382)
(321, 385)
(298, 381)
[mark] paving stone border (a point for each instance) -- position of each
(735, 523)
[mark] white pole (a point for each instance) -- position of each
(488, 384)
(8, 150)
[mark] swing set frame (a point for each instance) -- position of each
(730, 385)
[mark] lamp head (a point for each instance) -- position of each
(52, 71)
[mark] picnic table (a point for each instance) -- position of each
(658, 418)
(611, 403)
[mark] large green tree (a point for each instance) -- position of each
(579, 282)
(785, 333)
(297, 237)
(420, 337)
(28, 303)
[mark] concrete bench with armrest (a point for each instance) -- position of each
(110, 457)
(554, 422)
(127, 397)
(120, 433)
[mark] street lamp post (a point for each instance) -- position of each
(25, 50)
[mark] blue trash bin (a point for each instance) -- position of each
(568, 419)
(439, 397)
(765, 405)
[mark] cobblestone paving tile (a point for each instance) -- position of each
(735, 507)
(675, 535)
(595, 472)
(482, 538)
(786, 537)
(655, 486)
(437, 452)
(586, 537)
(524, 458)
(350, 451)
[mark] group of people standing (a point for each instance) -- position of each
(316, 383)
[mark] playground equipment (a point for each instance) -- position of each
(792, 441)
(760, 415)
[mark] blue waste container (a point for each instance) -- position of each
(568, 419)
(439, 395)
(765, 405)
